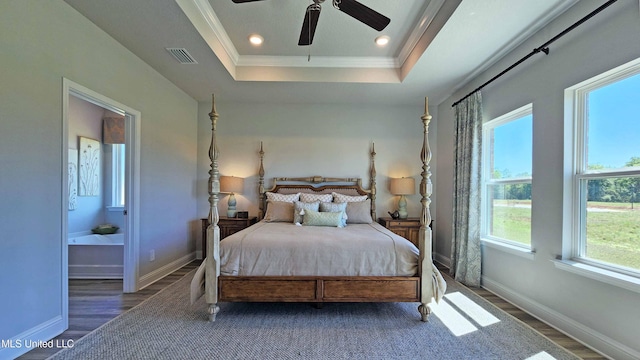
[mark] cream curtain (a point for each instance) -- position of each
(465, 247)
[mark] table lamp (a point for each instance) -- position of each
(403, 186)
(231, 185)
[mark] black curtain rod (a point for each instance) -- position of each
(542, 48)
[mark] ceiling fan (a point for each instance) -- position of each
(352, 8)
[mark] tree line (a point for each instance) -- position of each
(618, 189)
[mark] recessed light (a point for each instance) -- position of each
(256, 39)
(382, 40)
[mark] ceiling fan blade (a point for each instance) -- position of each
(309, 25)
(363, 13)
(243, 1)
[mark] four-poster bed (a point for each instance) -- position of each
(388, 267)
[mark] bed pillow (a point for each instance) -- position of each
(335, 207)
(359, 212)
(300, 208)
(342, 198)
(271, 196)
(279, 211)
(316, 218)
(309, 197)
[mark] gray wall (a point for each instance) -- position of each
(42, 42)
(600, 314)
(305, 140)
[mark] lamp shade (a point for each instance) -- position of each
(231, 184)
(403, 186)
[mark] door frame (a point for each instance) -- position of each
(132, 187)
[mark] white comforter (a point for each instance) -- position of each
(282, 249)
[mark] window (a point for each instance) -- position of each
(605, 185)
(506, 178)
(117, 175)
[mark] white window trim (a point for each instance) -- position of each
(117, 177)
(575, 171)
(513, 249)
(506, 245)
(598, 273)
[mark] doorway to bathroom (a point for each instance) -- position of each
(101, 166)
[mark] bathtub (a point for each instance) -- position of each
(94, 256)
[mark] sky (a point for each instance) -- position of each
(614, 123)
(613, 132)
(513, 147)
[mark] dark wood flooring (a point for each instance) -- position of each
(551, 333)
(94, 302)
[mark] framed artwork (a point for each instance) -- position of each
(73, 179)
(89, 167)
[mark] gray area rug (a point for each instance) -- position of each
(166, 326)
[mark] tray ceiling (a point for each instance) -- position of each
(435, 46)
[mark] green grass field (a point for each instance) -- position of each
(613, 230)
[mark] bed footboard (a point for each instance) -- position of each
(319, 289)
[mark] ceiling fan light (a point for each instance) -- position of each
(256, 39)
(382, 40)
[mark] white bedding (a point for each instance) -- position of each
(284, 249)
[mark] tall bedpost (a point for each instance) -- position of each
(212, 259)
(425, 239)
(372, 179)
(261, 201)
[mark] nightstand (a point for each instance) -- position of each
(227, 226)
(407, 228)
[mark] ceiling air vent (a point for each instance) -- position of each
(182, 55)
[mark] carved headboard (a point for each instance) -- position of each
(319, 185)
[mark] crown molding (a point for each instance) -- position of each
(318, 61)
(244, 67)
(425, 20)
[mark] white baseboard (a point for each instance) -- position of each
(158, 274)
(30, 339)
(95, 271)
(439, 258)
(581, 333)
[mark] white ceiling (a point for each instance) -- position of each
(436, 46)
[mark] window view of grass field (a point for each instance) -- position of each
(507, 177)
(613, 229)
(613, 233)
(609, 178)
(613, 163)
(512, 220)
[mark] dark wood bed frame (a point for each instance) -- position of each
(318, 289)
